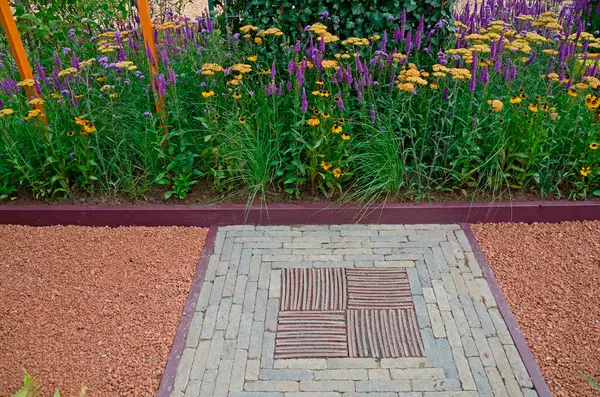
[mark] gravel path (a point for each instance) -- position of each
(94, 307)
(550, 274)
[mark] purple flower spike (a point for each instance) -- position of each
(273, 70)
(372, 113)
(340, 102)
(408, 41)
(172, 78)
(304, 101)
(75, 61)
(57, 61)
(531, 58)
(291, 67)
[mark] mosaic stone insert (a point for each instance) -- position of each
(337, 312)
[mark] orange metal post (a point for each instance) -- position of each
(18, 51)
(148, 33)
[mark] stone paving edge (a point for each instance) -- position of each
(535, 374)
(168, 378)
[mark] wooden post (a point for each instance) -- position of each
(148, 33)
(18, 51)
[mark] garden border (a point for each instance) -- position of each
(535, 374)
(168, 378)
(286, 214)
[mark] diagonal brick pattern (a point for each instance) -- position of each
(437, 332)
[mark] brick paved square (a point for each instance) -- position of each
(347, 310)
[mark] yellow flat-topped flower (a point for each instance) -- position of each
(313, 121)
(6, 112)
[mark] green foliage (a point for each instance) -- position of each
(360, 119)
(30, 388)
(349, 18)
(43, 22)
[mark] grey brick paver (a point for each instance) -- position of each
(200, 357)
(223, 378)
(238, 372)
(479, 375)
(230, 346)
(327, 385)
(383, 385)
(235, 316)
(195, 328)
(208, 383)
(286, 374)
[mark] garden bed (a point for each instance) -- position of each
(549, 275)
(93, 307)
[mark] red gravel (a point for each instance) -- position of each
(93, 307)
(550, 275)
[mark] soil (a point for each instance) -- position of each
(92, 307)
(203, 194)
(550, 275)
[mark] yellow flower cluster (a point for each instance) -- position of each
(36, 102)
(270, 32)
(241, 68)
(168, 25)
(397, 57)
(457, 73)
(126, 65)
(329, 64)
(357, 41)
(26, 83)
(67, 72)
(343, 56)
(248, 28)
(86, 126)
(409, 77)
(209, 69)
(6, 112)
(321, 31)
(495, 104)
(33, 113)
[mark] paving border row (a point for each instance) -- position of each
(168, 379)
(308, 214)
(539, 383)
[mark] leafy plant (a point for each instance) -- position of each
(349, 18)
(30, 388)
